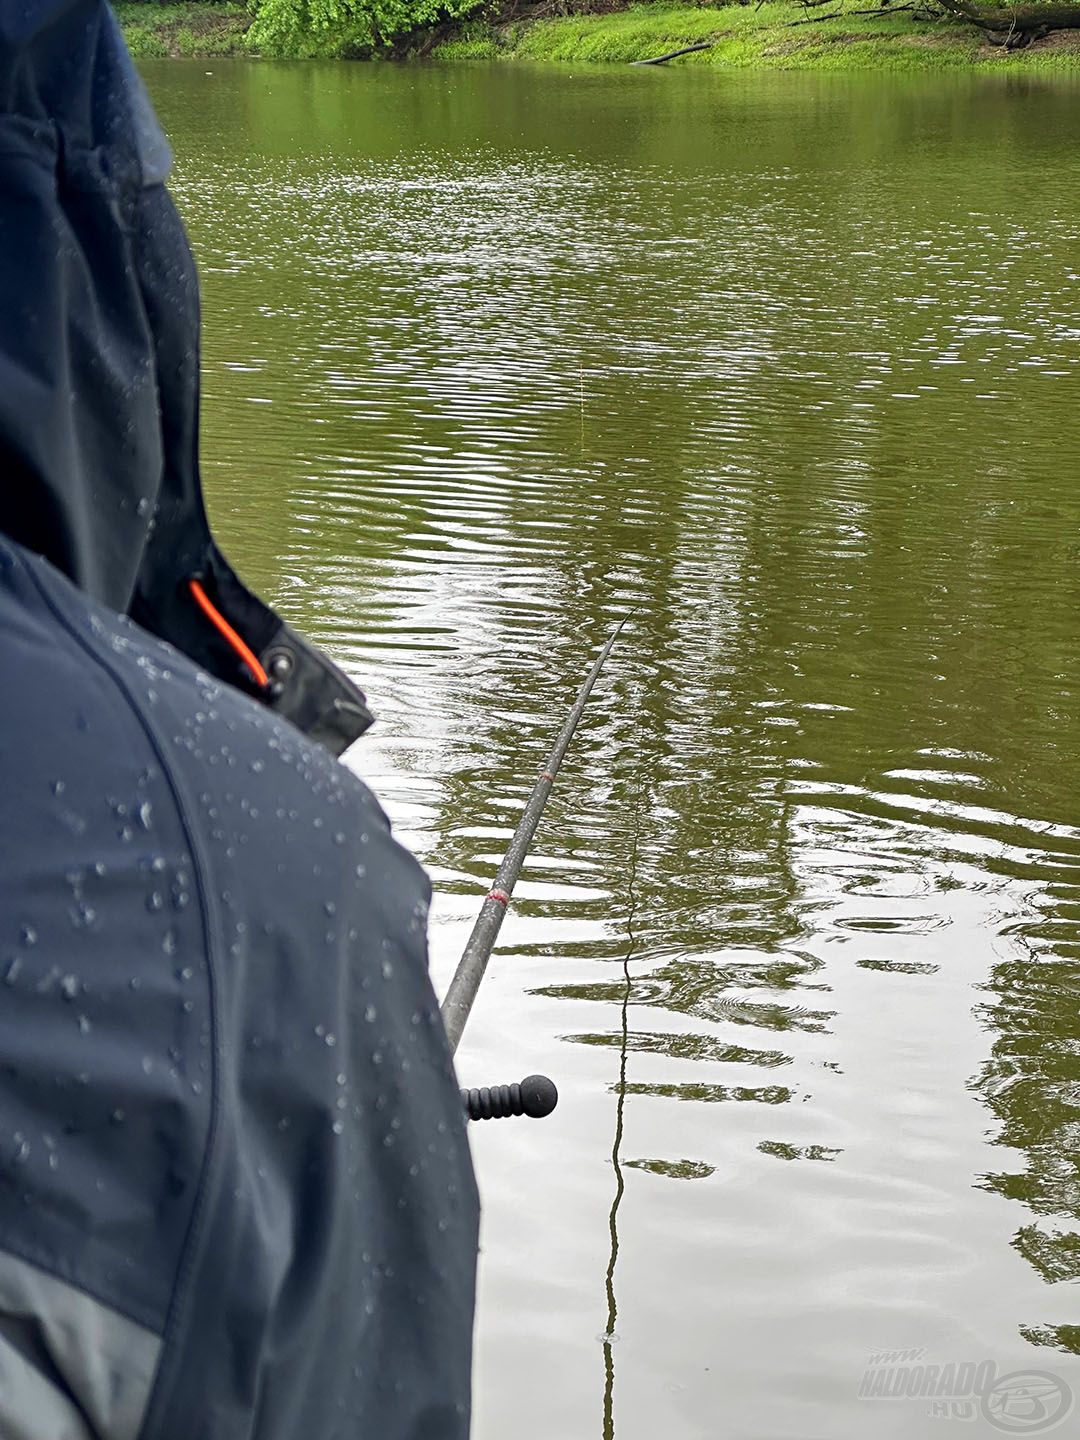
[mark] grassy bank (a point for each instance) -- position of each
(772, 35)
(185, 29)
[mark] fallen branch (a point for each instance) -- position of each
(1019, 25)
(843, 14)
(672, 54)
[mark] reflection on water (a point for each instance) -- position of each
(610, 1335)
(787, 365)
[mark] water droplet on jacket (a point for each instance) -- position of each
(22, 1149)
(58, 787)
(69, 987)
(154, 901)
(169, 941)
(84, 1025)
(11, 970)
(147, 1064)
(117, 1117)
(370, 1013)
(338, 1127)
(28, 935)
(330, 1040)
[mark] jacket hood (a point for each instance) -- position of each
(99, 366)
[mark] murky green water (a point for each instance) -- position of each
(790, 365)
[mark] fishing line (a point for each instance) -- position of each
(609, 1337)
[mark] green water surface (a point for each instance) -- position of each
(788, 365)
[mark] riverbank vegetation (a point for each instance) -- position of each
(776, 34)
(772, 34)
(186, 29)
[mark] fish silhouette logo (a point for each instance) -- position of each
(1027, 1402)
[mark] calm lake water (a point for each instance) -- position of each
(789, 367)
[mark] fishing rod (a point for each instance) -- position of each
(536, 1095)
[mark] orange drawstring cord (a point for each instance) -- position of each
(214, 615)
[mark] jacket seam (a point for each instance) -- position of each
(24, 1255)
(187, 1263)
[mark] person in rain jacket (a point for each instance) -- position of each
(235, 1191)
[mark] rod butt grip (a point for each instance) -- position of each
(536, 1096)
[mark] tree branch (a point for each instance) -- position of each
(840, 14)
(1019, 24)
(687, 50)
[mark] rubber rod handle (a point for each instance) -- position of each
(536, 1096)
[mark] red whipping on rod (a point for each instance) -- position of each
(536, 1095)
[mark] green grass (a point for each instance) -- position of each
(185, 29)
(756, 37)
(476, 40)
(745, 36)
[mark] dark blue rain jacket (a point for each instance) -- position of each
(235, 1191)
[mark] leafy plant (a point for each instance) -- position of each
(344, 28)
